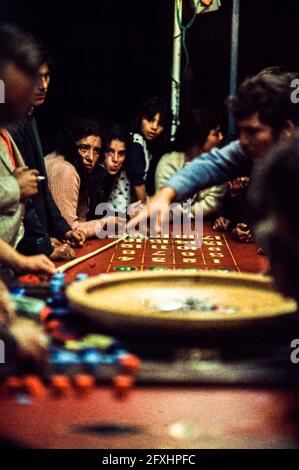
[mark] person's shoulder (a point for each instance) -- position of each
(54, 158)
(172, 158)
(19, 127)
(232, 150)
(138, 139)
(58, 162)
(138, 150)
(50, 159)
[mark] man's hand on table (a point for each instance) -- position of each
(75, 237)
(34, 264)
(156, 209)
(62, 251)
(221, 224)
(242, 233)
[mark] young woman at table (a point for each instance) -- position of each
(150, 132)
(80, 176)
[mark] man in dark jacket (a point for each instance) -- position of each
(45, 228)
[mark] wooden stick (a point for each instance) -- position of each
(74, 262)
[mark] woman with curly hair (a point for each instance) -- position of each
(81, 175)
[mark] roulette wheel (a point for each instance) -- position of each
(180, 306)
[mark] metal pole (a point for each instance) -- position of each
(234, 57)
(176, 66)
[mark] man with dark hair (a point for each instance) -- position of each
(265, 115)
(19, 62)
(274, 196)
(45, 228)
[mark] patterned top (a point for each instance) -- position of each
(135, 173)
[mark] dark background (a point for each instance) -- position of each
(110, 54)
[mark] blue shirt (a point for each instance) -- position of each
(211, 168)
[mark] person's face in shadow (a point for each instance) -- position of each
(275, 235)
(152, 128)
(18, 91)
(42, 85)
(115, 154)
(214, 138)
(89, 149)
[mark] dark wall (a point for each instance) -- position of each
(269, 35)
(109, 54)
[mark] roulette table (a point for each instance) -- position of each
(238, 389)
(218, 252)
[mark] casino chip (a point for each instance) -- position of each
(125, 268)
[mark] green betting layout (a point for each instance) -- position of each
(173, 252)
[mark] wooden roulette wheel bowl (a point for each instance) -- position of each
(181, 307)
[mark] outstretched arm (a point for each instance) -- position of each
(20, 263)
(211, 168)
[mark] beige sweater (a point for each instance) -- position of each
(11, 208)
(209, 200)
(64, 184)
